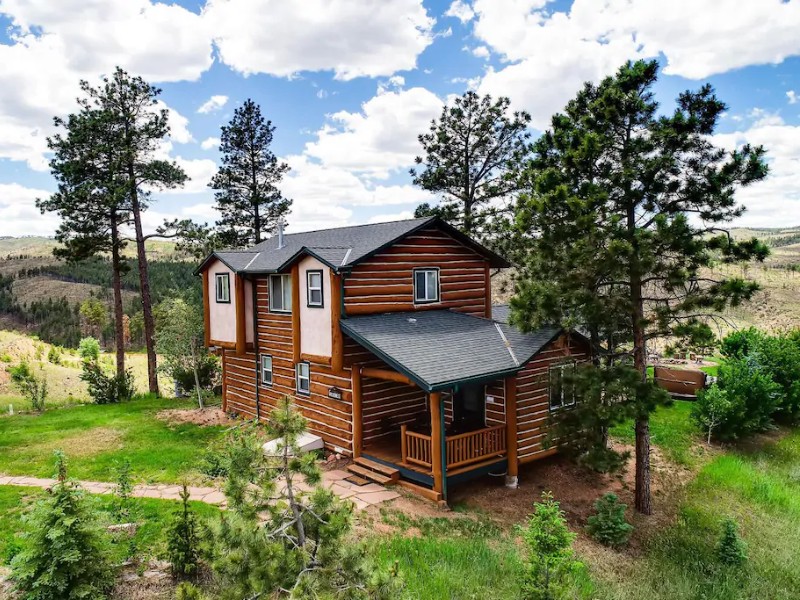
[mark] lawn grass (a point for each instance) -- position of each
(761, 490)
(98, 437)
(671, 429)
(153, 516)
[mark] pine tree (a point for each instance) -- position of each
(612, 186)
(246, 185)
(183, 540)
(65, 551)
(139, 127)
(86, 165)
(471, 156)
(732, 549)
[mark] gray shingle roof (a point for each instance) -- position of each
(438, 348)
(341, 247)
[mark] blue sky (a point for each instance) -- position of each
(349, 84)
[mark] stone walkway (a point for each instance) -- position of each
(361, 495)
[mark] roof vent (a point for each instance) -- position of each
(412, 320)
(280, 234)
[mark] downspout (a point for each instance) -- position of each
(255, 348)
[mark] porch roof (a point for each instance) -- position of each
(438, 349)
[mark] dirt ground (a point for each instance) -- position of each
(212, 415)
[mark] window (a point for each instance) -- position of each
(314, 288)
(303, 376)
(562, 392)
(426, 285)
(222, 281)
(266, 369)
(280, 293)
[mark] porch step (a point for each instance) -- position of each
(374, 471)
(357, 480)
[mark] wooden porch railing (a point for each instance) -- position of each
(462, 450)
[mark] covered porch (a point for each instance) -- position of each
(441, 408)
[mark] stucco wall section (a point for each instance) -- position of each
(222, 317)
(315, 322)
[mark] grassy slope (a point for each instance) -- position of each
(154, 515)
(97, 437)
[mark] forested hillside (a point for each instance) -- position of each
(42, 295)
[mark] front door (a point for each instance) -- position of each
(469, 408)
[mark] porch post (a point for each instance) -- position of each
(437, 458)
(358, 422)
(512, 480)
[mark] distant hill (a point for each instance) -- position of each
(40, 246)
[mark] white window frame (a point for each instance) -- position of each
(320, 288)
(560, 368)
(284, 279)
(226, 297)
(264, 370)
(427, 299)
(299, 377)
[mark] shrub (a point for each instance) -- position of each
(731, 550)
(550, 558)
(207, 370)
(65, 549)
(183, 540)
(30, 385)
(187, 591)
(122, 492)
(712, 410)
(6, 358)
(608, 526)
(107, 389)
(54, 355)
(89, 349)
(739, 344)
(779, 358)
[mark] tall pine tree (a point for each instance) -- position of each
(471, 156)
(140, 127)
(246, 185)
(86, 165)
(636, 202)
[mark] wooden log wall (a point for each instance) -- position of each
(533, 402)
(496, 411)
(384, 283)
(387, 405)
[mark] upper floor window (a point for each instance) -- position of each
(222, 283)
(266, 369)
(303, 377)
(426, 285)
(280, 293)
(314, 288)
(562, 389)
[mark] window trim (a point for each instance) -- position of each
(560, 367)
(271, 370)
(282, 276)
(297, 378)
(321, 288)
(217, 277)
(438, 298)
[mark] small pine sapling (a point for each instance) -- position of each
(551, 559)
(65, 550)
(30, 385)
(732, 549)
(183, 540)
(188, 591)
(608, 525)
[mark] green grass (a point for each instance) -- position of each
(671, 429)
(97, 437)
(761, 490)
(153, 515)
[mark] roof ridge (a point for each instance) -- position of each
(431, 218)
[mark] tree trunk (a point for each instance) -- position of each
(116, 284)
(643, 501)
(197, 379)
(144, 284)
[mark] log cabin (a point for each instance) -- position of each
(386, 338)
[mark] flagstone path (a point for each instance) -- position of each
(361, 495)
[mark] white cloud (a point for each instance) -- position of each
(18, 212)
(406, 214)
(352, 39)
(213, 104)
(480, 52)
(461, 11)
(793, 97)
(551, 53)
(210, 143)
(775, 201)
(379, 140)
(200, 171)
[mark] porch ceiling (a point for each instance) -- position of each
(440, 348)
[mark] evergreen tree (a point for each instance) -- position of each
(612, 186)
(471, 157)
(183, 540)
(65, 553)
(246, 185)
(139, 127)
(86, 166)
